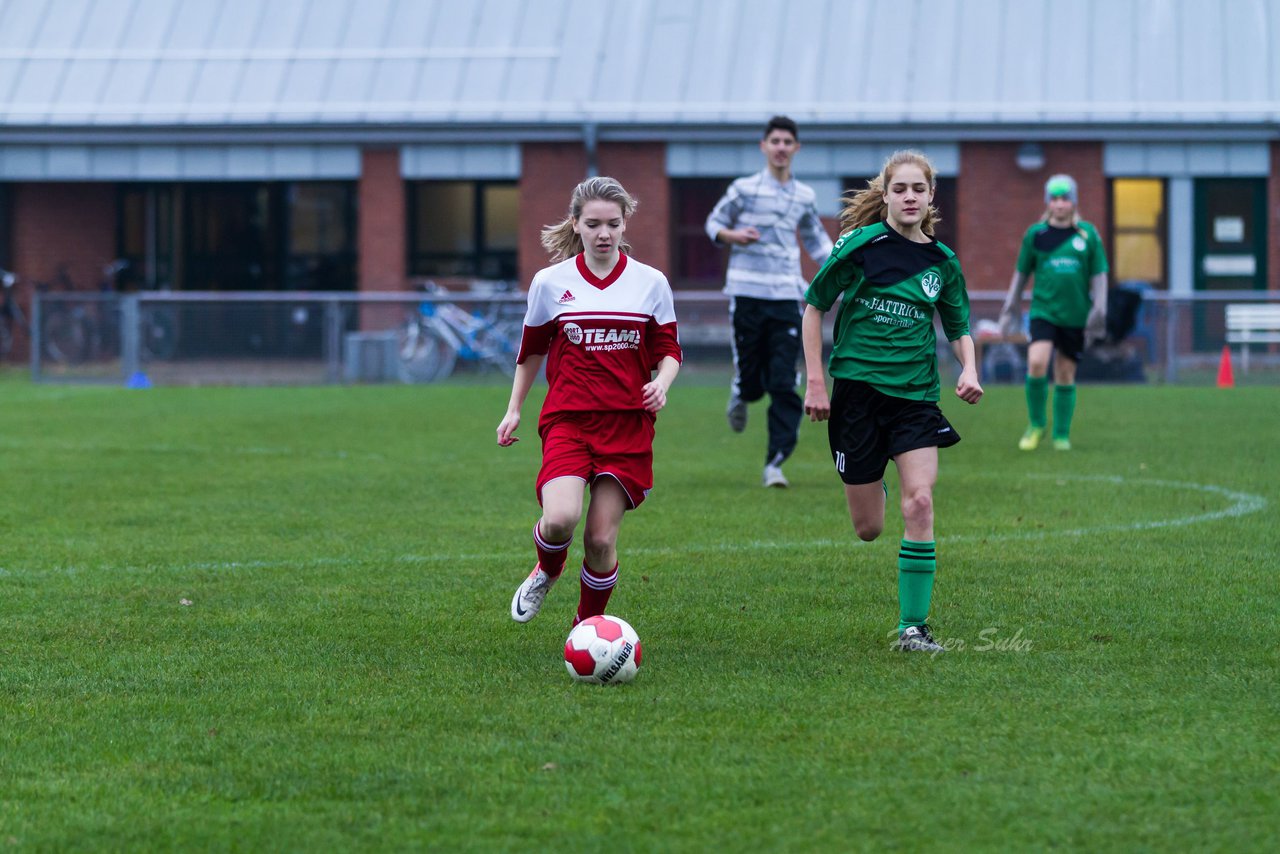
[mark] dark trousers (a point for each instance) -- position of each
(766, 343)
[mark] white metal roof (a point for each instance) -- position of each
(674, 66)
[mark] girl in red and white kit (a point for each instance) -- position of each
(605, 323)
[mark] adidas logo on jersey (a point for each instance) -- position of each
(568, 297)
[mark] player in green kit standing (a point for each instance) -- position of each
(893, 277)
(1068, 307)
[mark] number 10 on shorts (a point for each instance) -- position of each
(840, 461)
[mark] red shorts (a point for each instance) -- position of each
(589, 445)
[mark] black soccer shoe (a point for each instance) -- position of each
(918, 639)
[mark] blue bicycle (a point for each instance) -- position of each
(439, 333)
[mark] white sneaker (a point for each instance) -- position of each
(773, 476)
(530, 595)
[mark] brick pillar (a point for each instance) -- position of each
(63, 225)
(641, 167)
(383, 226)
(548, 173)
(59, 226)
(997, 201)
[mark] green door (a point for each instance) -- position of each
(1230, 247)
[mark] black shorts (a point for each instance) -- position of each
(868, 428)
(1067, 340)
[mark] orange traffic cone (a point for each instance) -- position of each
(1226, 379)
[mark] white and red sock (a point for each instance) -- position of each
(595, 590)
(551, 556)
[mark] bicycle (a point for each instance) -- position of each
(437, 334)
(157, 323)
(12, 317)
(73, 329)
(158, 330)
(67, 334)
(88, 329)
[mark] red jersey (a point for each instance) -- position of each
(603, 337)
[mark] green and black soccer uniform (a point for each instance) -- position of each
(1063, 261)
(892, 288)
(884, 364)
(884, 360)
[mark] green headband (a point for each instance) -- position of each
(1060, 188)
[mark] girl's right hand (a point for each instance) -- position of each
(817, 405)
(507, 429)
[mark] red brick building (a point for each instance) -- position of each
(220, 150)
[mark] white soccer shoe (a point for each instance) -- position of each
(773, 477)
(736, 413)
(530, 595)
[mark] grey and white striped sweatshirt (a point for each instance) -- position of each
(770, 267)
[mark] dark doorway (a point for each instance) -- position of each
(233, 243)
(1230, 246)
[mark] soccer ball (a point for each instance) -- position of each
(603, 651)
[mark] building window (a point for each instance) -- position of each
(463, 229)
(1138, 231)
(228, 238)
(321, 237)
(296, 236)
(699, 263)
(6, 229)
(145, 239)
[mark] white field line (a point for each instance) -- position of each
(187, 450)
(1241, 504)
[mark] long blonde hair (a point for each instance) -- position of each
(865, 207)
(561, 241)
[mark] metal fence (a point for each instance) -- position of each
(258, 338)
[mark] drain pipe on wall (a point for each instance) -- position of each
(590, 137)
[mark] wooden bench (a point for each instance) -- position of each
(1252, 323)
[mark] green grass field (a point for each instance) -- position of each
(277, 619)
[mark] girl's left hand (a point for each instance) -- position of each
(967, 387)
(1095, 326)
(654, 396)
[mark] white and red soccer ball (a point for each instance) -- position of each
(603, 651)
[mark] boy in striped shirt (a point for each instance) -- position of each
(758, 218)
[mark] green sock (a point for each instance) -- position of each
(916, 565)
(1064, 406)
(1037, 401)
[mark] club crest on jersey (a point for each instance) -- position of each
(568, 297)
(931, 284)
(1077, 243)
(573, 332)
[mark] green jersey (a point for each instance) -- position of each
(884, 329)
(1063, 260)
